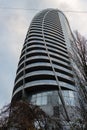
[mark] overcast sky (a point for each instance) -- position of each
(14, 24)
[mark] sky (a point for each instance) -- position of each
(15, 19)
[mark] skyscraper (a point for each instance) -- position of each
(44, 73)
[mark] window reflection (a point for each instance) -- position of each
(69, 97)
(38, 100)
(52, 98)
(71, 94)
(44, 100)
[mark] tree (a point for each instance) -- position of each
(22, 115)
(79, 58)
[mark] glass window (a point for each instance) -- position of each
(44, 94)
(38, 100)
(53, 98)
(33, 101)
(72, 101)
(68, 98)
(71, 93)
(44, 100)
(49, 93)
(60, 101)
(33, 96)
(65, 93)
(38, 94)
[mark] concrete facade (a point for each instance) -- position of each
(45, 67)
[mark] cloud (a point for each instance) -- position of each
(6, 89)
(13, 28)
(78, 20)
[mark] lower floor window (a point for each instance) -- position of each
(52, 98)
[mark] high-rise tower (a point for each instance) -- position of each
(45, 68)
